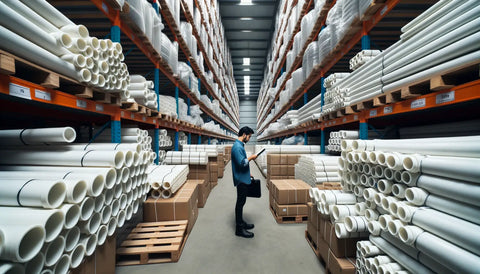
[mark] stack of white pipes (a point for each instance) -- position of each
(166, 180)
(362, 57)
(186, 158)
(423, 192)
(141, 91)
(429, 46)
(334, 97)
(131, 135)
(168, 105)
(38, 32)
(336, 138)
(182, 138)
(72, 196)
(164, 140)
(317, 169)
(282, 149)
(211, 150)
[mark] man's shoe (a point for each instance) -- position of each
(248, 226)
(241, 232)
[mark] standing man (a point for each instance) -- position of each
(241, 179)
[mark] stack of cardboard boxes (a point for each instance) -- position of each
(337, 254)
(281, 166)
(288, 200)
(228, 153)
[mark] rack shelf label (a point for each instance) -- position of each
(388, 109)
(445, 97)
(81, 104)
(44, 95)
(20, 91)
(419, 103)
(373, 112)
(98, 107)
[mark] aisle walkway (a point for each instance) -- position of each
(212, 246)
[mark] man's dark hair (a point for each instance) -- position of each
(245, 130)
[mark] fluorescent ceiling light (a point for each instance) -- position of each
(246, 61)
(246, 18)
(246, 31)
(246, 2)
(246, 82)
(247, 69)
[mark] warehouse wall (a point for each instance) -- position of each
(248, 117)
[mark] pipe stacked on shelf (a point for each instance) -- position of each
(41, 34)
(336, 137)
(186, 158)
(166, 180)
(418, 190)
(182, 138)
(317, 169)
(164, 140)
(105, 184)
(141, 91)
(362, 57)
(211, 150)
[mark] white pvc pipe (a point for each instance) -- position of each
(35, 265)
(21, 242)
(72, 215)
(101, 234)
(356, 224)
(106, 214)
(90, 158)
(340, 212)
(374, 227)
(62, 266)
(53, 250)
(52, 220)
(399, 190)
(99, 202)
(121, 218)
(465, 169)
(37, 136)
(76, 256)
(47, 11)
(91, 225)
(115, 207)
(87, 207)
(36, 193)
(90, 243)
(112, 226)
(72, 236)
(12, 268)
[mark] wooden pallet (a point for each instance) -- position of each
(156, 242)
(372, 9)
(289, 219)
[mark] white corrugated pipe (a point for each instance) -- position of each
(21, 242)
(450, 255)
(91, 158)
(52, 220)
(37, 136)
(35, 193)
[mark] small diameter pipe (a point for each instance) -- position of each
(34, 193)
(90, 243)
(52, 220)
(106, 214)
(339, 212)
(111, 226)
(406, 261)
(86, 208)
(76, 256)
(374, 228)
(91, 225)
(72, 215)
(72, 236)
(62, 266)
(99, 202)
(53, 250)
(22, 242)
(37, 136)
(338, 198)
(399, 190)
(101, 234)
(35, 265)
(451, 256)
(356, 223)
(121, 218)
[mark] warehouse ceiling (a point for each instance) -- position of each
(248, 31)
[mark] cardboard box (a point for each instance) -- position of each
(290, 170)
(203, 192)
(314, 234)
(292, 159)
(182, 206)
(284, 159)
(314, 217)
(199, 172)
(287, 192)
(337, 265)
(102, 261)
(273, 159)
(290, 210)
(340, 247)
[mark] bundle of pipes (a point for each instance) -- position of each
(362, 57)
(186, 158)
(131, 135)
(38, 32)
(164, 140)
(74, 196)
(336, 137)
(419, 190)
(166, 180)
(168, 105)
(182, 138)
(211, 150)
(421, 53)
(141, 91)
(282, 149)
(317, 169)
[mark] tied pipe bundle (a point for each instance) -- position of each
(141, 91)
(420, 194)
(362, 57)
(166, 180)
(38, 32)
(317, 169)
(336, 137)
(72, 205)
(187, 158)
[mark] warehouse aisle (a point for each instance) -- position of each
(212, 246)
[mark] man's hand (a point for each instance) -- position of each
(252, 157)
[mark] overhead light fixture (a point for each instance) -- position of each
(246, 18)
(246, 2)
(246, 82)
(246, 61)
(247, 69)
(246, 30)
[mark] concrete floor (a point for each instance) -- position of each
(212, 246)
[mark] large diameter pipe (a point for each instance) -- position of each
(12, 268)
(19, 46)
(450, 255)
(34, 193)
(91, 158)
(72, 236)
(22, 242)
(38, 135)
(52, 220)
(72, 215)
(53, 250)
(406, 261)
(465, 169)
(35, 265)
